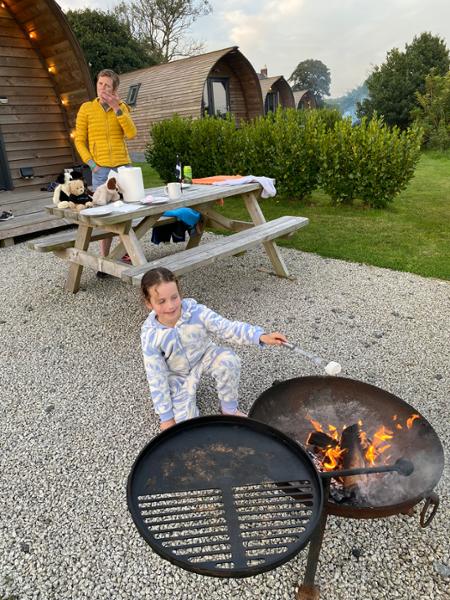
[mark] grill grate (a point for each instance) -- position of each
(224, 496)
(214, 529)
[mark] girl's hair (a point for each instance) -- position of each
(155, 277)
(112, 75)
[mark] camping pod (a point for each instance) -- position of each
(305, 99)
(276, 92)
(44, 78)
(215, 83)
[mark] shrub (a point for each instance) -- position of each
(169, 138)
(296, 142)
(387, 160)
(339, 163)
(370, 161)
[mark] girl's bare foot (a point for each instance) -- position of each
(237, 413)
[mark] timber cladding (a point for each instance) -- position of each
(177, 87)
(44, 79)
(280, 85)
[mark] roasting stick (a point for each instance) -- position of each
(331, 368)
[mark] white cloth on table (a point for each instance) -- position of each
(267, 184)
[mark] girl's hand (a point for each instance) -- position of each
(167, 424)
(273, 339)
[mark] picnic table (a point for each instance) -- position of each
(131, 222)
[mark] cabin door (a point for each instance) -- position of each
(5, 175)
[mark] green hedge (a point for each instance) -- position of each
(300, 149)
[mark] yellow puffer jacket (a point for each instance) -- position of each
(100, 135)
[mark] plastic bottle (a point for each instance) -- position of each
(187, 174)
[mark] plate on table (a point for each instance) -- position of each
(97, 211)
(155, 200)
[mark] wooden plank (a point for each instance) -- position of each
(31, 118)
(82, 259)
(207, 253)
(11, 42)
(23, 52)
(23, 110)
(32, 82)
(64, 239)
(39, 224)
(37, 136)
(257, 216)
(75, 270)
(62, 152)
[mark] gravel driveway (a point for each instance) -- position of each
(75, 412)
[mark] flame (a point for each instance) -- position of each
(410, 421)
(374, 445)
(317, 426)
(332, 457)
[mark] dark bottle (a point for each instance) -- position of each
(178, 170)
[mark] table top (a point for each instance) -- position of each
(194, 195)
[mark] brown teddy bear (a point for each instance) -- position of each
(71, 194)
(106, 193)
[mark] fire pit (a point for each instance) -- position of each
(292, 405)
(348, 423)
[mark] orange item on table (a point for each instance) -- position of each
(215, 179)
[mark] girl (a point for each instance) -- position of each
(177, 349)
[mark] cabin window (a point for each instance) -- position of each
(132, 94)
(216, 97)
(272, 102)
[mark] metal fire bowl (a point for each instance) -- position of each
(290, 404)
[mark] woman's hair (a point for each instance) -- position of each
(112, 74)
(156, 277)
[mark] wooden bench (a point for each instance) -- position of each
(66, 239)
(205, 254)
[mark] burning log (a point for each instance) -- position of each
(321, 440)
(353, 458)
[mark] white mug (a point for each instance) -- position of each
(173, 190)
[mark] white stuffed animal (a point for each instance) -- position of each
(106, 193)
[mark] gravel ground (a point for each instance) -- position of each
(75, 413)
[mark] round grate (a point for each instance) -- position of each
(225, 496)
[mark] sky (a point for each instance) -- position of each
(349, 36)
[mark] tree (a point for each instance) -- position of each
(312, 75)
(107, 43)
(393, 86)
(161, 25)
(433, 112)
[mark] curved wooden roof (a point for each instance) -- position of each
(44, 78)
(279, 84)
(177, 87)
(50, 36)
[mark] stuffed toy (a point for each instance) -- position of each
(71, 194)
(106, 193)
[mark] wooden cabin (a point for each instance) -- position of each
(275, 92)
(305, 99)
(43, 80)
(214, 83)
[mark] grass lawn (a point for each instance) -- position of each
(411, 235)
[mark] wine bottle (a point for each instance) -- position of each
(178, 171)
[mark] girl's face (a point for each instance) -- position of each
(165, 301)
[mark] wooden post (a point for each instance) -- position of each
(257, 216)
(75, 270)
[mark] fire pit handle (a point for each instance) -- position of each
(430, 501)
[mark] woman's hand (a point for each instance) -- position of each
(273, 339)
(167, 424)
